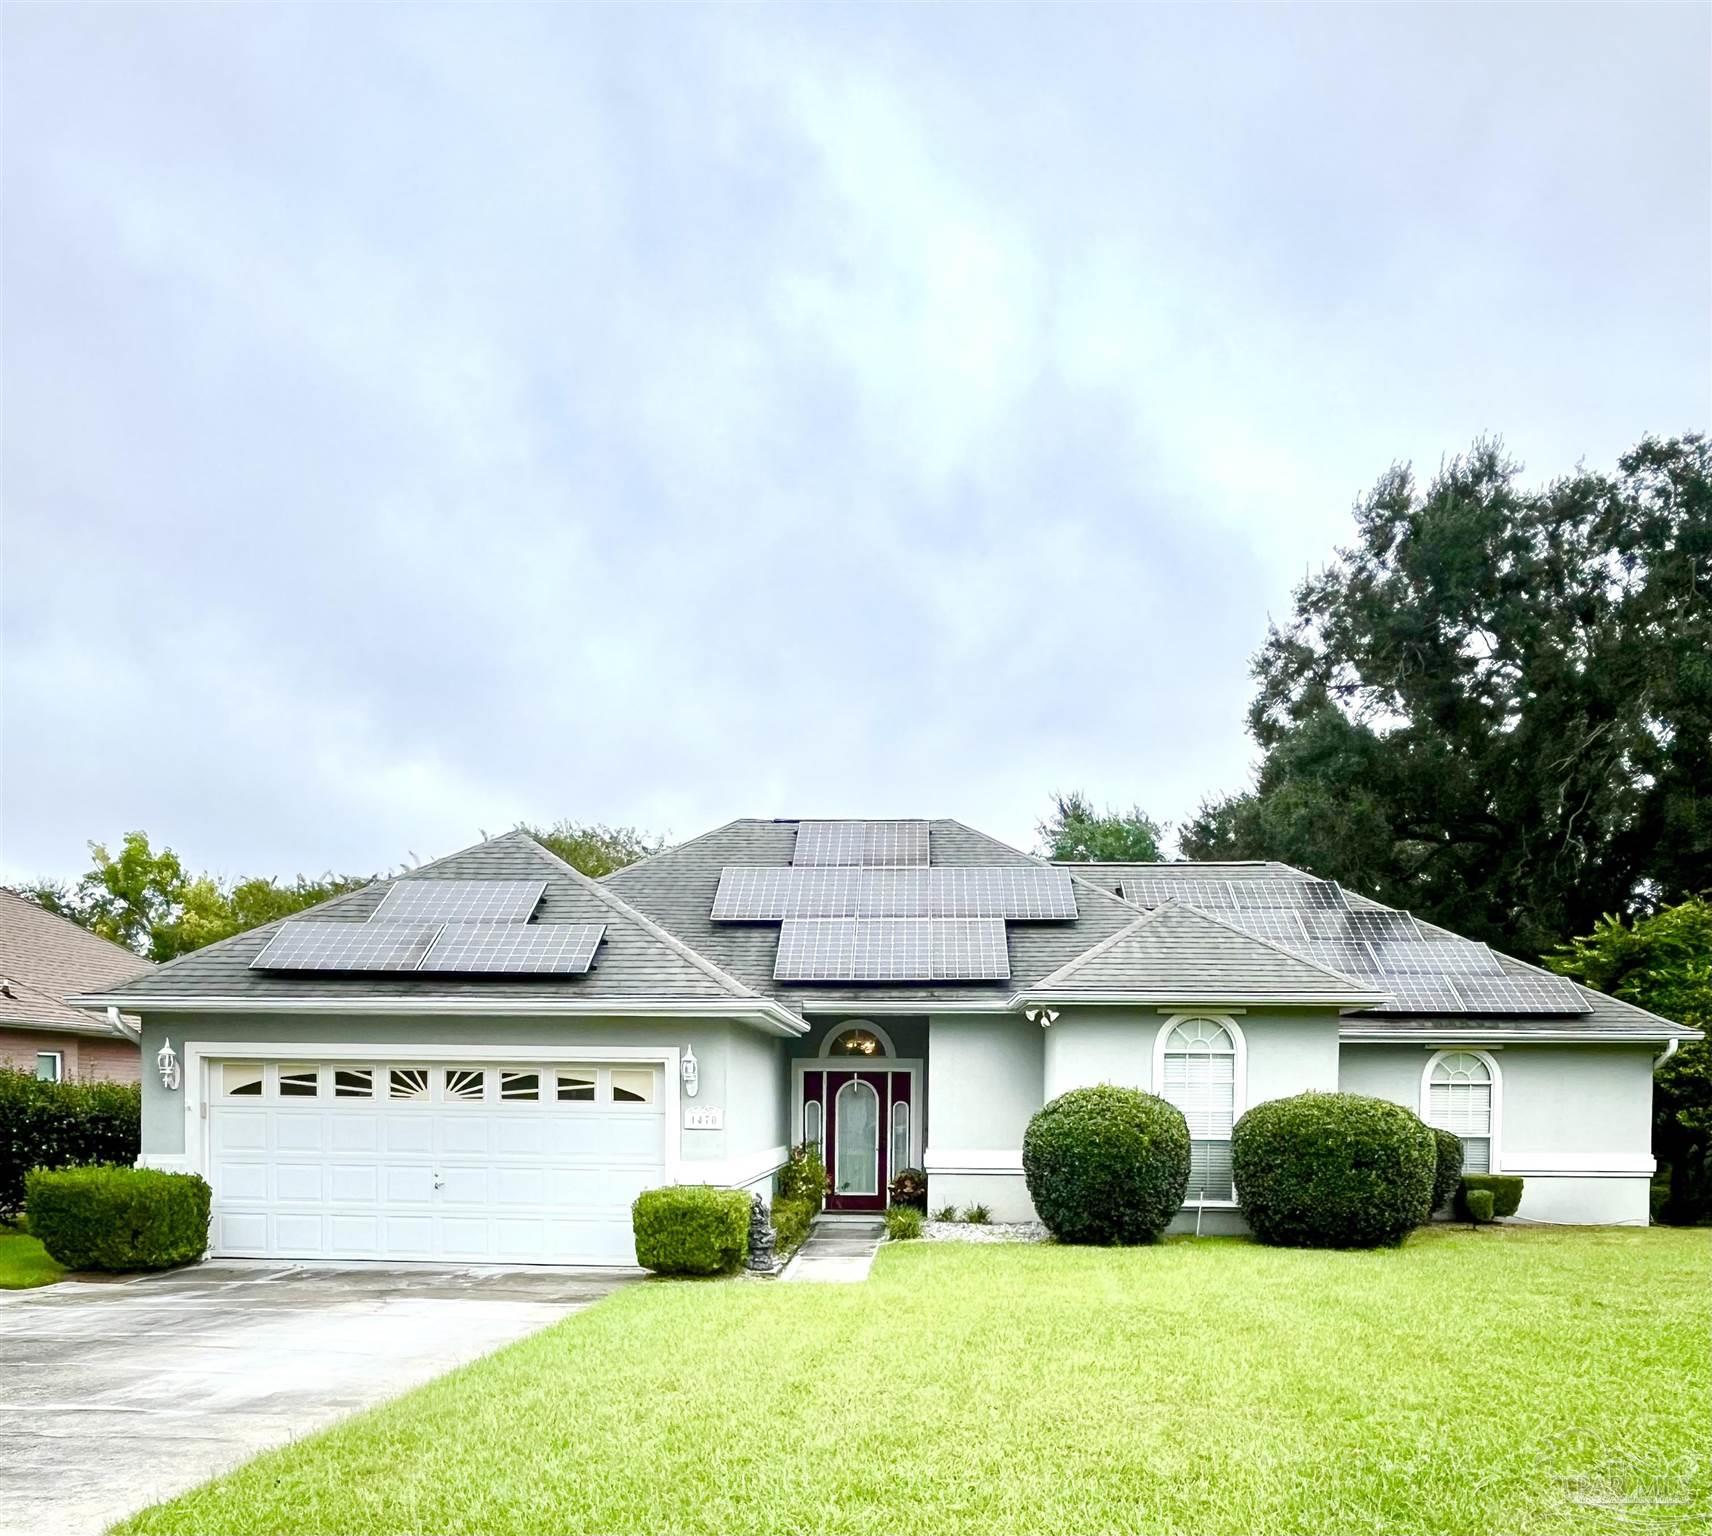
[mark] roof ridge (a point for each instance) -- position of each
(1110, 942)
(641, 919)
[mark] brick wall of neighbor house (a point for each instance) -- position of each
(85, 1058)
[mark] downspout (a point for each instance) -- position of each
(135, 1036)
(1666, 1053)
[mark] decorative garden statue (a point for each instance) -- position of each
(760, 1235)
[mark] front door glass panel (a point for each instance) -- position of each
(858, 1171)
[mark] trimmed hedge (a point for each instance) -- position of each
(61, 1125)
(1478, 1203)
(1106, 1165)
(1333, 1170)
(801, 1192)
(691, 1229)
(118, 1219)
(1449, 1167)
(1506, 1191)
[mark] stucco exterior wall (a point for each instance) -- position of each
(83, 1058)
(1575, 1121)
(739, 1070)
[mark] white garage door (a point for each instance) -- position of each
(484, 1163)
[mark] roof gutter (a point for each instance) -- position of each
(117, 1020)
(1492, 1029)
(1017, 1001)
(767, 1015)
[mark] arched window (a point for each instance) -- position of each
(811, 1121)
(1461, 1097)
(857, 1042)
(1198, 1073)
(900, 1137)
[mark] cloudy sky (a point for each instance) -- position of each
(416, 421)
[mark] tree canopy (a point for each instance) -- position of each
(1664, 963)
(1075, 830)
(1495, 706)
(596, 849)
(147, 900)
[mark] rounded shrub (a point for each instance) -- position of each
(116, 1218)
(1449, 1167)
(1333, 1170)
(691, 1229)
(1505, 1189)
(1478, 1203)
(1106, 1165)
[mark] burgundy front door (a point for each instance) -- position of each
(856, 1142)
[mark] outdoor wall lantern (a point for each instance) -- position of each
(166, 1063)
(691, 1072)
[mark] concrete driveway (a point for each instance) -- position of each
(114, 1395)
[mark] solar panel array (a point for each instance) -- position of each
(308, 946)
(1424, 971)
(522, 949)
(1019, 893)
(902, 949)
(861, 843)
(460, 901)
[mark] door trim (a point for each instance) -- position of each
(918, 1107)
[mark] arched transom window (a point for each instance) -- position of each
(857, 1042)
(1459, 1100)
(1199, 1069)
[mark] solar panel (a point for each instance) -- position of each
(1280, 927)
(520, 949)
(1287, 895)
(1414, 958)
(467, 901)
(854, 843)
(323, 946)
(1521, 994)
(892, 949)
(1021, 893)
(1350, 956)
(1420, 994)
(1375, 926)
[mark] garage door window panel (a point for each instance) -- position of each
(465, 1085)
(632, 1085)
(576, 1085)
(520, 1087)
(353, 1082)
(241, 1080)
(407, 1083)
(297, 1081)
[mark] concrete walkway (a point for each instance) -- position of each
(837, 1251)
(115, 1394)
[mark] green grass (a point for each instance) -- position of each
(1508, 1380)
(23, 1261)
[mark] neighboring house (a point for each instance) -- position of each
(487, 1059)
(44, 959)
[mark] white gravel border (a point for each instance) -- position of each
(990, 1232)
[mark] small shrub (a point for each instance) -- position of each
(1478, 1203)
(62, 1125)
(1506, 1191)
(791, 1221)
(910, 1188)
(945, 1213)
(1107, 1165)
(804, 1177)
(903, 1222)
(691, 1229)
(118, 1219)
(1449, 1167)
(978, 1216)
(1333, 1170)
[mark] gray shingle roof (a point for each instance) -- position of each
(45, 958)
(676, 888)
(1608, 1016)
(1180, 953)
(636, 960)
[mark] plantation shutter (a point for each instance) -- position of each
(1459, 1100)
(1200, 1079)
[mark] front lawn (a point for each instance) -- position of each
(23, 1261)
(1512, 1380)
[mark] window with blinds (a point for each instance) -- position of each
(1459, 1100)
(1200, 1079)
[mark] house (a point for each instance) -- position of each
(487, 1059)
(45, 959)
